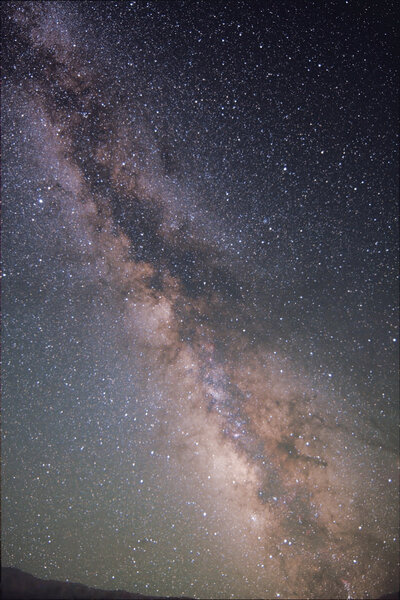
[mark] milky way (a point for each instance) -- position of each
(199, 297)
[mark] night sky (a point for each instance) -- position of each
(199, 303)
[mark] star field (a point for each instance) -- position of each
(200, 296)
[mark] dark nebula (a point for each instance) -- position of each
(200, 298)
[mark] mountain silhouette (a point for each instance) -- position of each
(18, 585)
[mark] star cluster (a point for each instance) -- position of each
(200, 305)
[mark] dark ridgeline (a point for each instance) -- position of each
(18, 585)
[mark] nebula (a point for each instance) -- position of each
(167, 428)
